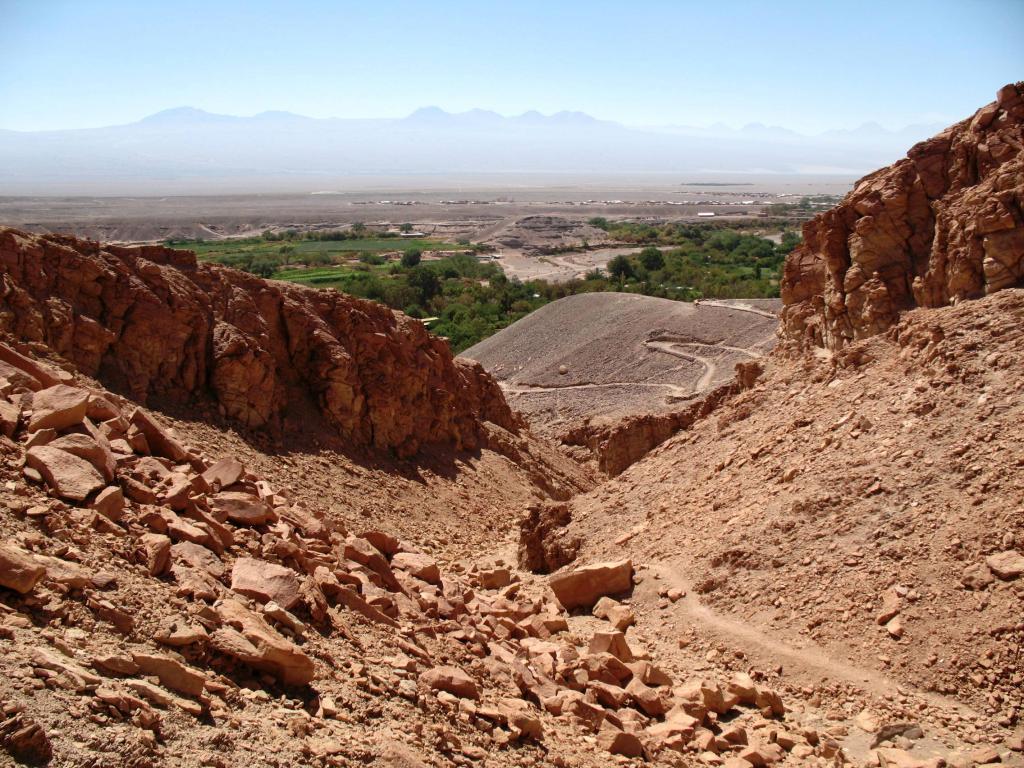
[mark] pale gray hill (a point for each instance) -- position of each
(609, 355)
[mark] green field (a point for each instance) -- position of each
(471, 300)
(210, 249)
(270, 254)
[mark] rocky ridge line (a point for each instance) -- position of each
(266, 595)
(942, 225)
(151, 322)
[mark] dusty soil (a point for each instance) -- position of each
(791, 514)
(766, 540)
(480, 208)
(604, 356)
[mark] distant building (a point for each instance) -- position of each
(705, 213)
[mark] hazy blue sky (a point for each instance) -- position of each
(804, 65)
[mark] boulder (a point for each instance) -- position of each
(110, 503)
(88, 448)
(613, 643)
(198, 557)
(384, 542)
(759, 755)
(25, 740)
(451, 679)
(10, 415)
(156, 549)
(976, 576)
(19, 570)
(891, 757)
(71, 575)
(494, 578)
(619, 742)
(241, 508)
(891, 604)
(421, 566)
(224, 472)
(266, 582)
(58, 407)
(363, 552)
(652, 701)
(582, 587)
(250, 639)
(161, 441)
(177, 632)
(618, 615)
(649, 674)
(172, 673)
(70, 476)
(521, 718)
(1006, 565)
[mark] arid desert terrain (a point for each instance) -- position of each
(246, 522)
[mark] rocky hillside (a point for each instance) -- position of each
(853, 523)
(249, 524)
(617, 373)
(167, 604)
(944, 224)
(153, 324)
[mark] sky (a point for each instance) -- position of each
(808, 66)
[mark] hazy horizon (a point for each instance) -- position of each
(807, 66)
(271, 112)
(113, 97)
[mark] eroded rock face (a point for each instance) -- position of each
(152, 322)
(944, 224)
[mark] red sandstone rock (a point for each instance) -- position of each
(1007, 565)
(58, 407)
(943, 224)
(224, 472)
(110, 503)
(451, 679)
(582, 587)
(619, 742)
(185, 329)
(251, 640)
(18, 569)
(25, 740)
(172, 673)
(419, 565)
(265, 581)
(85, 447)
(241, 508)
(70, 477)
(157, 552)
(10, 415)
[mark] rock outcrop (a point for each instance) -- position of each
(944, 224)
(151, 322)
(211, 593)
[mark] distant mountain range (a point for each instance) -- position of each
(188, 150)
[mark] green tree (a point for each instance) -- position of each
(652, 259)
(425, 281)
(405, 228)
(411, 258)
(620, 268)
(264, 267)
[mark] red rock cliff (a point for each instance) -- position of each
(152, 322)
(944, 224)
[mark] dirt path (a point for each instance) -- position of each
(670, 347)
(810, 661)
(529, 389)
(740, 307)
